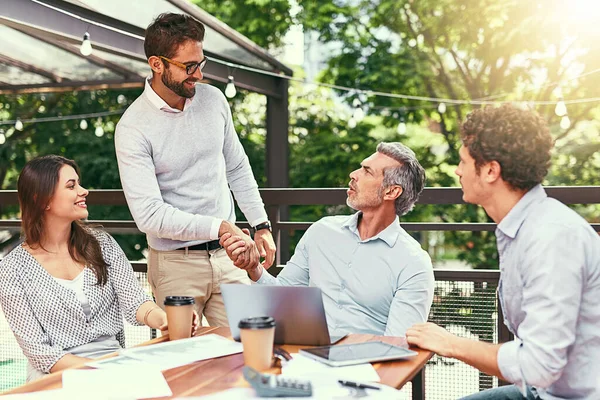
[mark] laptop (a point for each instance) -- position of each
(298, 312)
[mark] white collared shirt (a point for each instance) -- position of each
(381, 285)
(158, 102)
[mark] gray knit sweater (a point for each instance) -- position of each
(177, 170)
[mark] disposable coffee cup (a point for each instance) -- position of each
(258, 334)
(180, 313)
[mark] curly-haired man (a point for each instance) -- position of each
(549, 262)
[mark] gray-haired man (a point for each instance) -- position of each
(375, 277)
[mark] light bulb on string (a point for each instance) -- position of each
(358, 114)
(565, 122)
(230, 90)
(19, 125)
(352, 123)
(561, 108)
(2, 139)
(99, 131)
(401, 127)
(86, 45)
(83, 125)
(442, 108)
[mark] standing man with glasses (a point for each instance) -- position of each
(178, 156)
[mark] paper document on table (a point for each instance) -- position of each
(56, 394)
(119, 362)
(322, 390)
(304, 367)
(116, 383)
(180, 352)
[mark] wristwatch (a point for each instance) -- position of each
(263, 225)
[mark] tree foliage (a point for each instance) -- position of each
(479, 49)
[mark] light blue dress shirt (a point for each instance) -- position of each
(382, 285)
(550, 294)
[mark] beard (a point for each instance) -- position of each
(362, 201)
(179, 87)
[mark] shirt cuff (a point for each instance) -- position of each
(508, 364)
(267, 279)
(214, 228)
(258, 220)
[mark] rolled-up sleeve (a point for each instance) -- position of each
(553, 278)
(130, 293)
(30, 335)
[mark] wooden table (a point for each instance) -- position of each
(214, 375)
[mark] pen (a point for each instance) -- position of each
(356, 385)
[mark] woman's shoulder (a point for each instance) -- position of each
(14, 258)
(100, 235)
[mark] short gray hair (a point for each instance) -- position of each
(410, 175)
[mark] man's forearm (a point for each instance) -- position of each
(255, 273)
(481, 355)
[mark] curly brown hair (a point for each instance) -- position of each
(168, 31)
(519, 140)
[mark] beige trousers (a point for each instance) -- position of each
(196, 273)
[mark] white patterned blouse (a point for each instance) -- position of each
(47, 318)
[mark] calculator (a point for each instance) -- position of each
(270, 385)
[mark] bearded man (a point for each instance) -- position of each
(178, 156)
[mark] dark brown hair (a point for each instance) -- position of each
(36, 187)
(168, 31)
(519, 140)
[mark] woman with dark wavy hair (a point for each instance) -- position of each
(66, 288)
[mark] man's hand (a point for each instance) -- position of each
(431, 337)
(235, 246)
(266, 246)
(248, 257)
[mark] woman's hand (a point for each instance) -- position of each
(195, 323)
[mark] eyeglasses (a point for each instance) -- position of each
(189, 68)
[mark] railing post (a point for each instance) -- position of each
(274, 214)
(504, 334)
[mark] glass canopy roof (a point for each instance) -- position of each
(39, 55)
(140, 14)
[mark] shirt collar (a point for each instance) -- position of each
(389, 235)
(158, 102)
(511, 224)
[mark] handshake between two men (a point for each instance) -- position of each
(245, 252)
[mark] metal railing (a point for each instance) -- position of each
(465, 301)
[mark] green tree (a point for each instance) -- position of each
(481, 49)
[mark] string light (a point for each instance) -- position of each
(86, 45)
(442, 108)
(2, 139)
(561, 108)
(352, 123)
(401, 127)
(479, 101)
(19, 125)
(99, 131)
(83, 125)
(565, 122)
(358, 114)
(230, 90)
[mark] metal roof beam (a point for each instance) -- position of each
(231, 34)
(69, 86)
(32, 68)
(39, 20)
(15, 13)
(118, 69)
